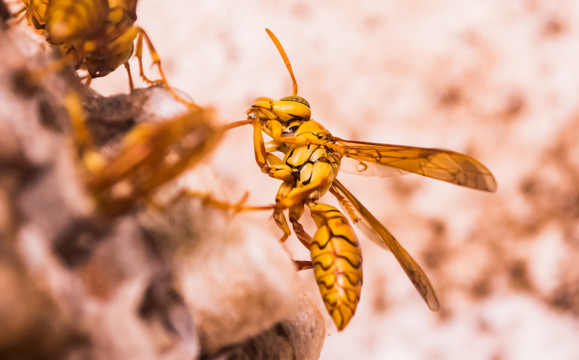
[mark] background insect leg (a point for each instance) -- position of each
(5, 13)
(85, 148)
(210, 200)
(156, 62)
(131, 84)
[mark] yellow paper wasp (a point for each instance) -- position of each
(310, 165)
(95, 35)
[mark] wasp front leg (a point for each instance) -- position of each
(262, 156)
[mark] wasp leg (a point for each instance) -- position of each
(37, 75)
(301, 234)
(154, 55)
(85, 148)
(303, 264)
(16, 17)
(295, 211)
(259, 147)
(262, 156)
(156, 62)
(233, 125)
(269, 163)
(130, 76)
(210, 200)
(281, 223)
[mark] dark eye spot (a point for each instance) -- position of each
(297, 99)
(293, 128)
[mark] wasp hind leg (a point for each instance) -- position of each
(306, 241)
(303, 264)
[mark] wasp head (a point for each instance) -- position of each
(101, 63)
(291, 108)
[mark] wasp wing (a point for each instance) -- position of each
(381, 236)
(349, 165)
(438, 164)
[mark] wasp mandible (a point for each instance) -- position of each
(95, 35)
(309, 168)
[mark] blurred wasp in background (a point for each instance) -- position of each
(309, 168)
(5, 14)
(149, 156)
(95, 35)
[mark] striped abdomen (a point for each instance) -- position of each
(337, 263)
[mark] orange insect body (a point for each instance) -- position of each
(70, 24)
(309, 169)
(96, 35)
(74, 20)
(150, 155)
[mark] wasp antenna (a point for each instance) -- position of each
(286, 61)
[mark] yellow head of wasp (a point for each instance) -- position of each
(288, 109)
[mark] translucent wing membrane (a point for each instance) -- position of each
(364, 168)
(438, 164)
(381, 236)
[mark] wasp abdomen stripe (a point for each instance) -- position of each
(337, 263)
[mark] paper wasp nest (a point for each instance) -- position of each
(177, 282)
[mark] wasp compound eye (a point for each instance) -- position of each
(298, 99)
(292, 108)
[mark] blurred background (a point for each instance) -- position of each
(496, 80)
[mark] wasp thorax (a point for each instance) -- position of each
(291, 108)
